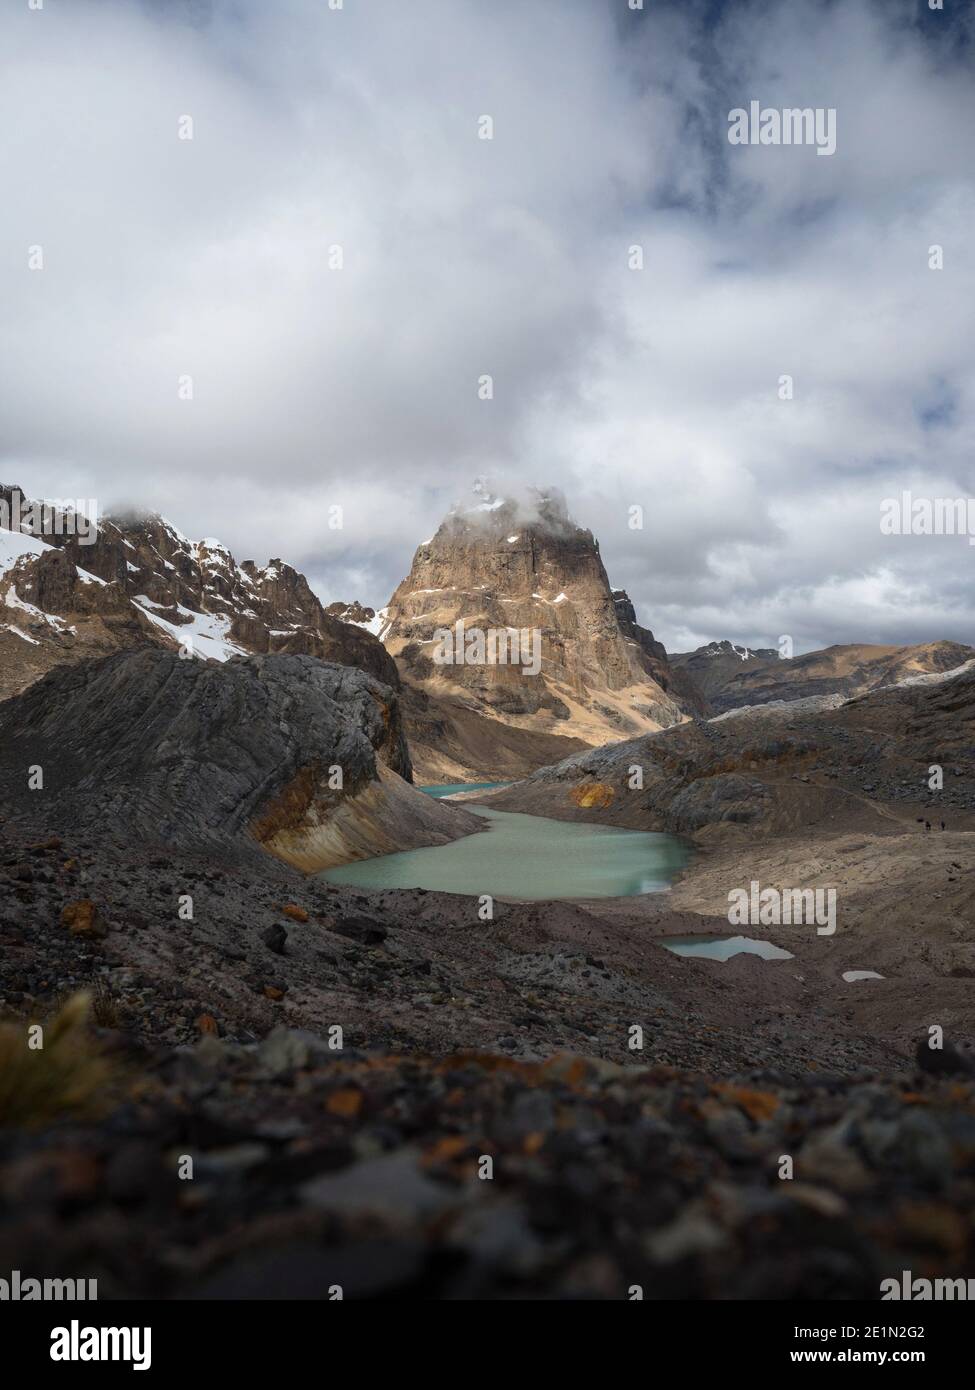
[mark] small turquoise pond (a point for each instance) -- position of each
(723, 947)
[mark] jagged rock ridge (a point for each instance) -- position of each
(143, 583)
(732, 676)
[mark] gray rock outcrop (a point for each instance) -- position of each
(299, 757)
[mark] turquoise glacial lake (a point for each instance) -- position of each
(527, 857)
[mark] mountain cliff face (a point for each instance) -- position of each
(142, 583)
(656, 661)
(585, 668)
(731, 677)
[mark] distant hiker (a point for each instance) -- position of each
(927, 825)
(943, 826)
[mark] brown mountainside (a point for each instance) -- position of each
(732, 676)
(142, 583)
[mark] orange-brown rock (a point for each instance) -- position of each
(83, 918)
(596, 795)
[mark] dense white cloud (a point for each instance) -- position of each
(313, 386)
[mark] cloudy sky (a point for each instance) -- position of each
(211, 259)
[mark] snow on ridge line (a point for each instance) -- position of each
(15, 545)
(13, 600)
(18, 545)
(220, 552)
(11, 627)
(206, 631)
(376, 623)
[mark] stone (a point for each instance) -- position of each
(275, 939)
(83, 918)
(357, 927)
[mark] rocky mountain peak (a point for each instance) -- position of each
(521, 564)
(70, 592)
(543, 512)
(357, 614)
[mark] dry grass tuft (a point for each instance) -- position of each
(67, 1076)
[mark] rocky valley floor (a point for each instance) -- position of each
(257, 1083)
(357, 1157)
